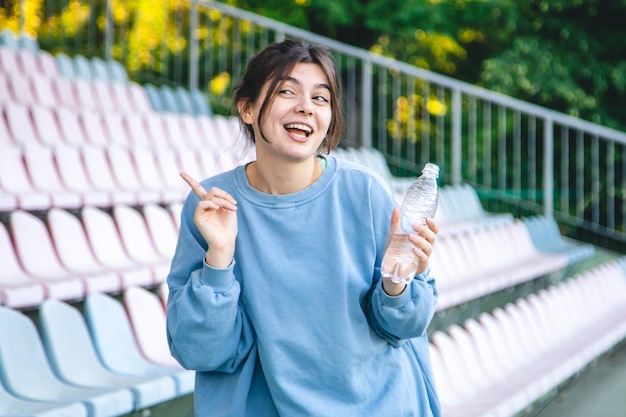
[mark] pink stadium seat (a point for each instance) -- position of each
(191, 131)
(37, 256)
(47, 65)
(28, 64)
(44, 91)
(188, 162)
(149, 175)
(162, 228)
(137, 130)
(70, 126)
(40, 164)
(84, 93)
(156, 130)
(46, 125)
(17, 288)
(65, 92)
(126, 176)
(103, 96)
(101, 176)
(20, 123)
(122, 97)
(116, 129)
(147, 318)
(74, 177)
(8, 61)
(140, 101)
(74, 251)
(5, 135)
(108, 248)
(94, 127)
(20, 88)
(138, 243)
(14, 180)
(5, 94)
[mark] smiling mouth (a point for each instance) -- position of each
(299, 129)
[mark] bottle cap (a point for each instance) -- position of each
(431, 168)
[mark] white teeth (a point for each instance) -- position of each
(298, 126)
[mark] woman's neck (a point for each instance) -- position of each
(285, 178)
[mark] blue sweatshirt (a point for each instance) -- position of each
(299, 324)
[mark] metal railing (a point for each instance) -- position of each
(521, 158)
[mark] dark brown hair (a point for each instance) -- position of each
(273, 65)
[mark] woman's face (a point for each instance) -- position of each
(298, 119)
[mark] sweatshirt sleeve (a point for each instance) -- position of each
(207, 328)
(408, 314)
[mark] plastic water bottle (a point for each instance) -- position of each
(420, 202)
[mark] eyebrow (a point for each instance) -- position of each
(296, 81)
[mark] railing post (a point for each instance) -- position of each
(108, 33)
(193, 47)
(456, 136)
(366, 104)
(548, 167)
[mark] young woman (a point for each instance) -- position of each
(276, 297)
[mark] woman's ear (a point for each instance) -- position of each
(244, 112)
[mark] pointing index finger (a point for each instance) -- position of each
(195, 185)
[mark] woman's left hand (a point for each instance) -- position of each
(424, 240)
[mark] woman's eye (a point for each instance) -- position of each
(321, 99)
(286, 92)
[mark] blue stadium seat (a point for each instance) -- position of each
(116, 346)
(168, 99)
(26, 372)
(82, 67)
(182, 97)
(65, 65)
(117, 72)
(154, 97)
(200, 103)
(9, 40)
(75, 360)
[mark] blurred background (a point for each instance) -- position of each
(521, 104)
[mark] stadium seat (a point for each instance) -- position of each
(65, 66)
(15, 182)
(169, 104)
(37, 255)
(154, 97)
(117, 72)
(20, 123)
(43, 91)
(28, 64)
(8, 60)
(122, 95)
(21, 90)
(108, 248)
(47, 64)
(84, 93)
(162, 229)
(200, 103)
(147, 318)
(99, 70)
(74, 359)
(41, 168)
(64, 90)
(115, 343)
(126, 176)
(82, 67)
(182, 96)
(26, 372)
(149, 174)
(104, 97)
(74, 250)
(17, 289)
(100, 175)
(46, 125)
(8, 40)
(28, 43)
(140, 98)
(138, 243)
(74, 177)
(94, 127)
(12, 406)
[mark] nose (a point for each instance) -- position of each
(305, 106)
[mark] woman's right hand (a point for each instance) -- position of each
(216, 219)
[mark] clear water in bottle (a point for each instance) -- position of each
(420, 202)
